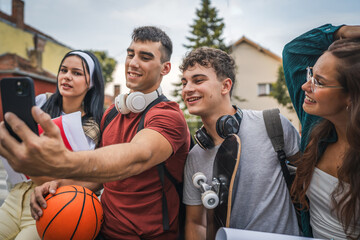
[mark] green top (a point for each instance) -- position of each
(298, 54)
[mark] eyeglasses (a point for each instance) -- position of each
(314, 82)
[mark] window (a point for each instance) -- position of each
(264, 89)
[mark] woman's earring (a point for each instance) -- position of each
(347, 108)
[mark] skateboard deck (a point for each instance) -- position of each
(225, 166)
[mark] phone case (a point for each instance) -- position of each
(18, 96)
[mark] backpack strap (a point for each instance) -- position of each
(161, 98)
(113, 113)
(160, 167)
(109, 117)
(165, 213)
(275, 132)
(162, 170)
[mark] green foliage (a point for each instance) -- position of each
(206, 31)
(280, 92)
(194, 123)
(107, 63)
(207, 28)
(177, 94)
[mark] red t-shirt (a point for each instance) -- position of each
(133, 206)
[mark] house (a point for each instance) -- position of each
(256, 69)
(110, 98)
(28, 52)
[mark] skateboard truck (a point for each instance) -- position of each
(209, 197)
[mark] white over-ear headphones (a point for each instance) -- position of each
(136, 101)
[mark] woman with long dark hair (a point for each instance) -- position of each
(91, 102)
(80, 87)
(322, 72)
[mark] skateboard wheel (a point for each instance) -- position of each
(198, 178)
(210, 199)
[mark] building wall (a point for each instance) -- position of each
(40, 62)
(14, 40)
(52, 56)
(18, 41)
(256, 67)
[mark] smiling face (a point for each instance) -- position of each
(143, 67)
(202, 92)
(325, 102)
(71, 78)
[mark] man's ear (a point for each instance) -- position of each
(226, 85)
(166, 67)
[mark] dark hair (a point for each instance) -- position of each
(220, 61)
(94, 98)
(154, 34)
(345, 199)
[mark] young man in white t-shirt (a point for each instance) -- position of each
(262, 201)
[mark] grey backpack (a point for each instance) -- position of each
(275, 132)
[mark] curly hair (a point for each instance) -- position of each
(220, 61)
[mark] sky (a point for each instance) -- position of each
(107, 24)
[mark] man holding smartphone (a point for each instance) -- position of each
(128, 160)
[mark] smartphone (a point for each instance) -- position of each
(18, 97)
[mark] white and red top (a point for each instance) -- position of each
(73, 136)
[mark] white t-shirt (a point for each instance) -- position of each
(262, 201)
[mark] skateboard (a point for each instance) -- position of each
(209, 197)
(217, 197)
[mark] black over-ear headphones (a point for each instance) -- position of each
(225, 125)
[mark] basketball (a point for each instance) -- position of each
(73, 212)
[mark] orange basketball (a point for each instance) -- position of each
(74, 212)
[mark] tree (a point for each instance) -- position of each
(206, 31)
(107, 63)
(280, 92)
(177, 94)
(207, 28)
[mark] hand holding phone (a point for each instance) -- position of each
(18, 97)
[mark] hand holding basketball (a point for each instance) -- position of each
(74, 212)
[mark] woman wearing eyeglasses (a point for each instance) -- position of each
(322, 72)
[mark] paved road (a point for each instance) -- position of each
(3, 187)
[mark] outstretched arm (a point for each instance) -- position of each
(46, 155)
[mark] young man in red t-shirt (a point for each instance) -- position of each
(127, 161)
